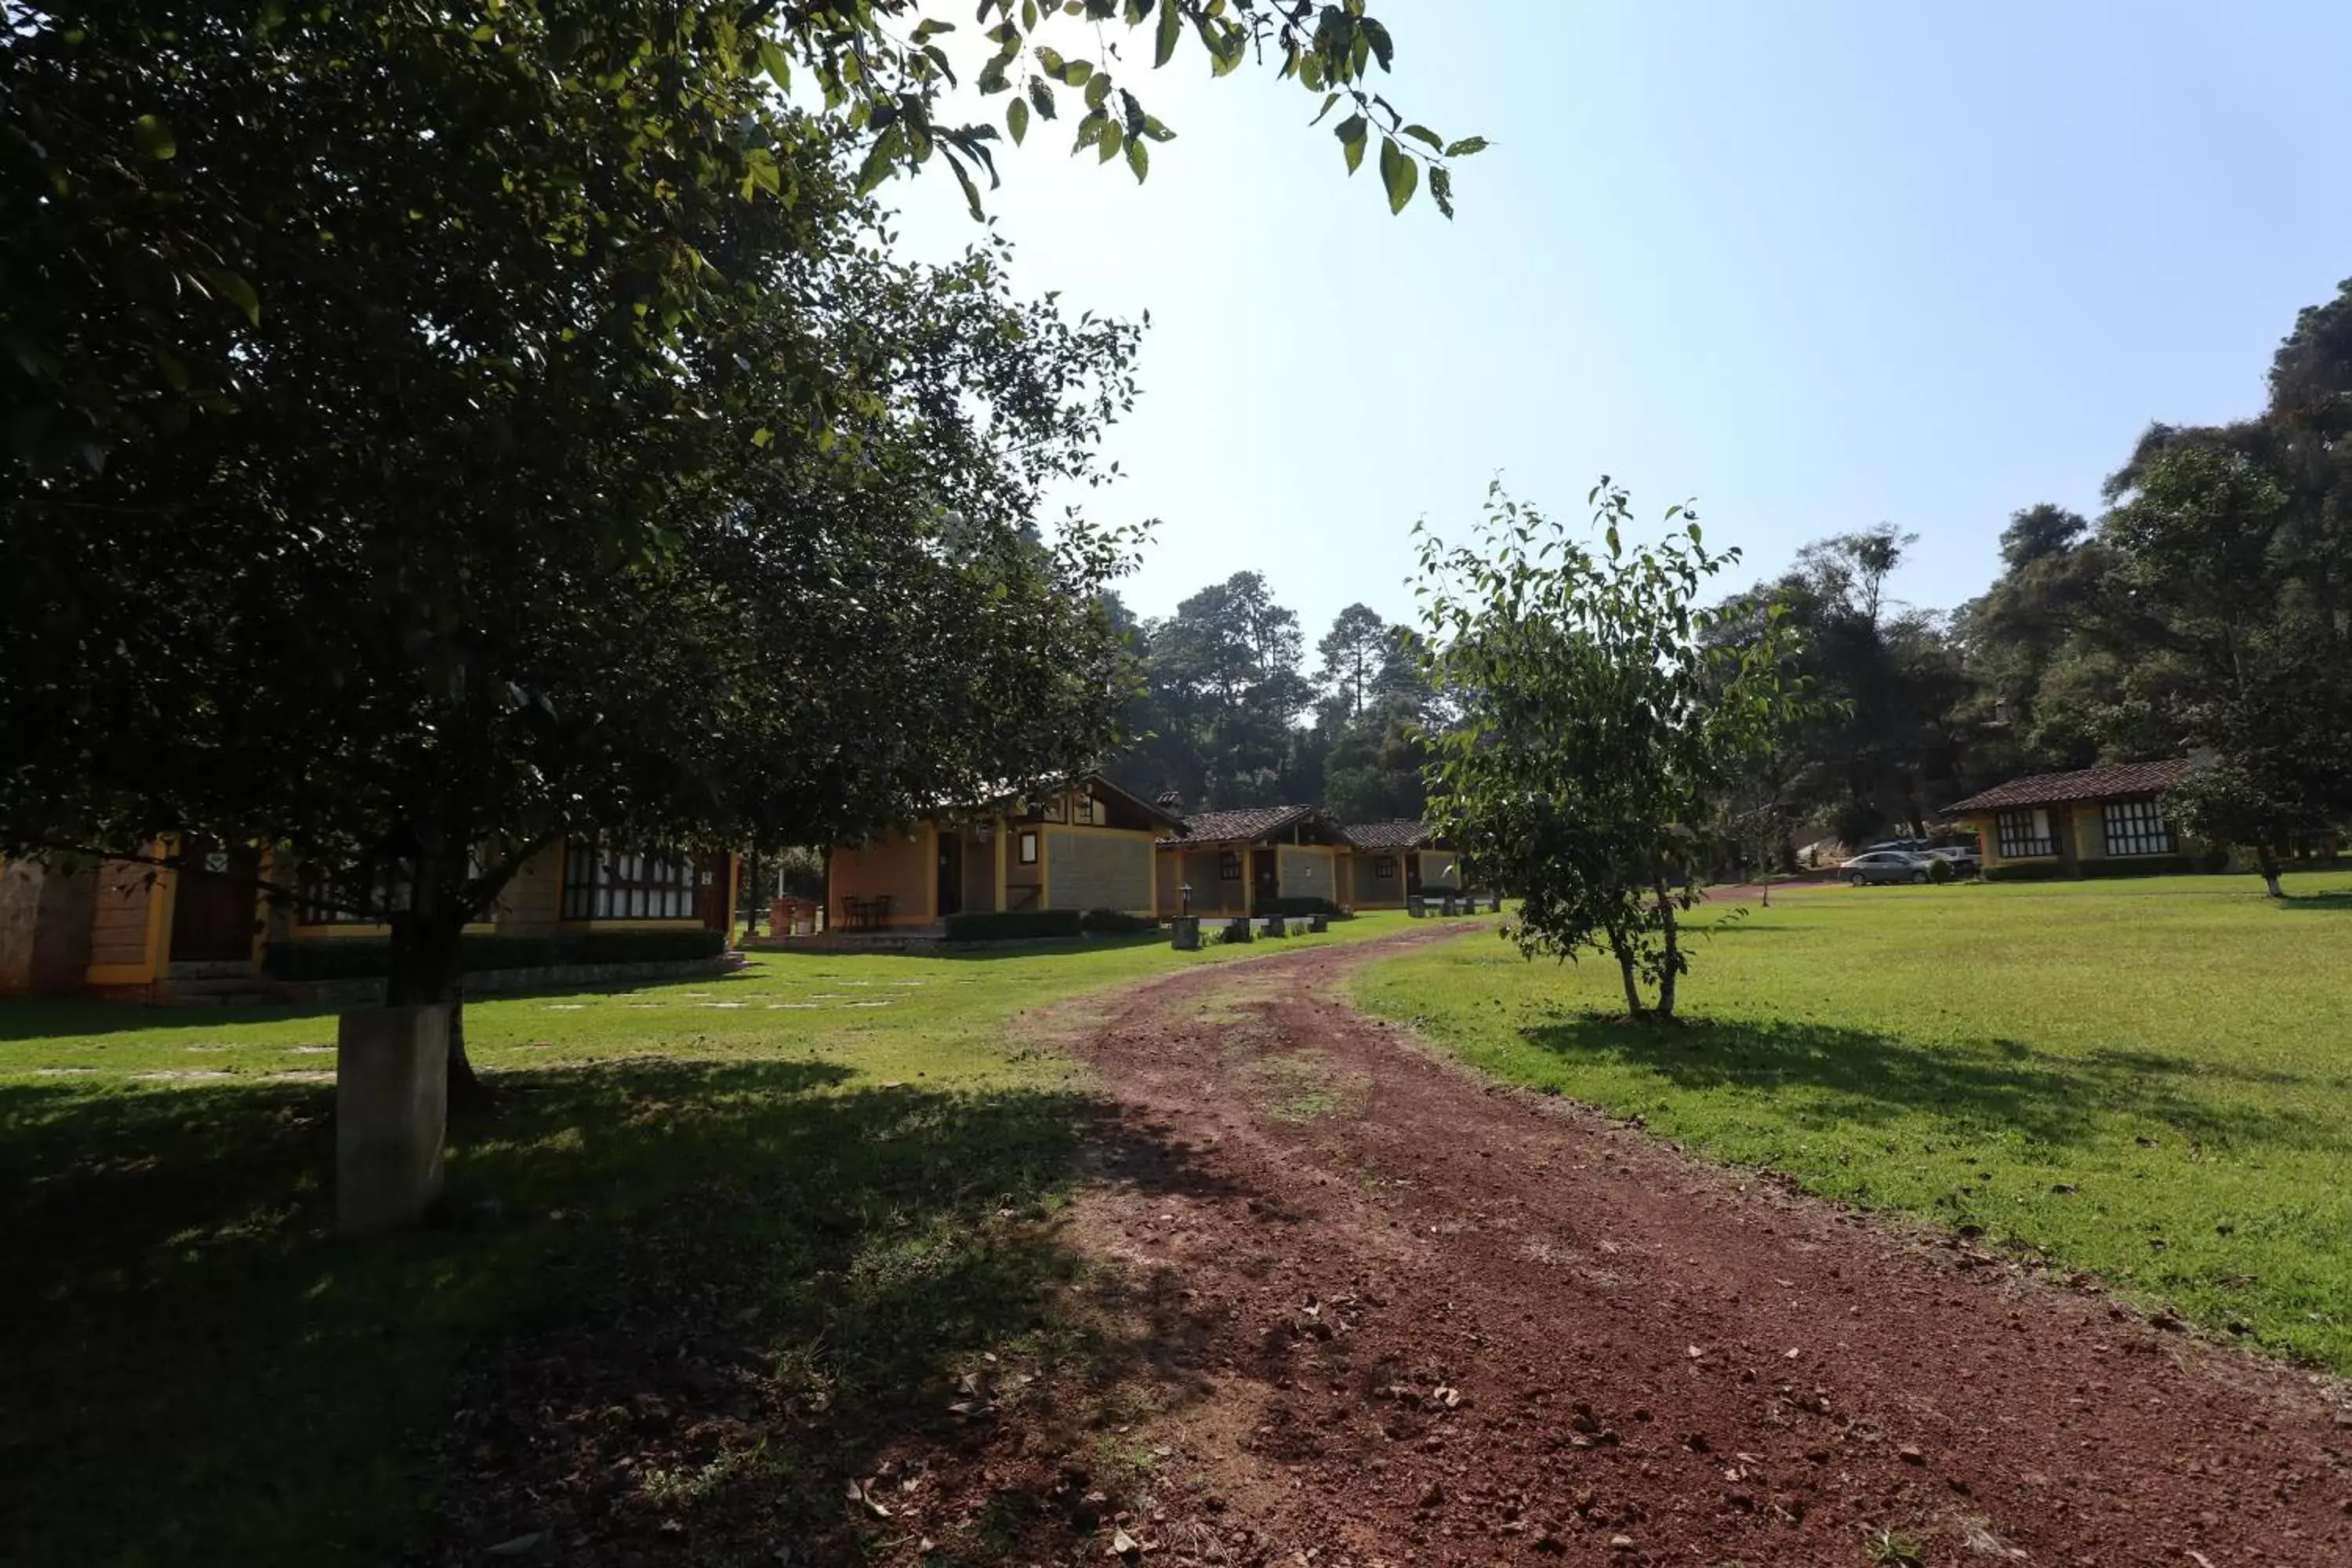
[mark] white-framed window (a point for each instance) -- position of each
(1229, 865)
(1028, 850)
(2136, 827)
(627, 885)
(2024, 834)
(1082, 810)
(1384, 868)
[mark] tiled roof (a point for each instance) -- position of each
(1245, 825)
(2089, 784)
(1387, 834)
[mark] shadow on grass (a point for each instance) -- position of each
(2316, 902)
(673, 1308)
(1825, 1077)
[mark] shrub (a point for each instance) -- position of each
(2140, 866)
(1115, 923)
(1235, 934)
(2028, 871)
(1297, 906)
(638, 946)
(1940, 871)
(1277, 927)
(1014, 925)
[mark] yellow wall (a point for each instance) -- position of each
(1086, 865)
(531, 903)
(1440, 871)
(1210, 896)
(904, 866)
(1306, 872)
(130, 923)
(1369, 891)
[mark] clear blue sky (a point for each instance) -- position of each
(1816, 265)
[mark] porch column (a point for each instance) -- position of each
(1004, 831)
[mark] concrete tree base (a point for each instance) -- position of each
(1184, 934)
(392, 1111)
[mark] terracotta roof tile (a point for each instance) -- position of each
(1387, 834)
(1247, 824)
(2089, 784)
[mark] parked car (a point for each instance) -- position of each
(1884, 866)
(1907, 845)
(1966, 862)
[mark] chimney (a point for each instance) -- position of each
(1172, 802)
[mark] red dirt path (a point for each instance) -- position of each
(1442, 1322)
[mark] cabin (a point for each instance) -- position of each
(205, 926)
(1083, 846)
(2092, 822)
(1245, 861)
(1392, 862)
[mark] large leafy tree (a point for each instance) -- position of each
(1886, 738)
(1604, 725)
(442, 429)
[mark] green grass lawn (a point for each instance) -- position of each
(853, 1160)
(2147, 1081)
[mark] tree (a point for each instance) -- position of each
(2228, 583)
(1891, 722)
(701, 524)
(1603, 725)
(443, 430)
(124, 277)
(1355, 652)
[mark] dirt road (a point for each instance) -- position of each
(1433, 1322)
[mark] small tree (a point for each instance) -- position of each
(1603, 725)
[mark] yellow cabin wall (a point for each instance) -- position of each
(901, 866)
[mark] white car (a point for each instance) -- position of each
(1884, 866)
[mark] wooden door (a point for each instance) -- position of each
(1266, 875)
(215, 905)
(950, 892)
(711, 877)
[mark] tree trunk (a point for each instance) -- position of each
(428, 969)
(752, 908)
(1672, 958)
(1634, 1008)
(2266, 861)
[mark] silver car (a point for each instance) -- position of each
(1884, 866)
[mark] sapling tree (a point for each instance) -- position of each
(1602, 726)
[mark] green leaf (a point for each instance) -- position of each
(1383, 47)
(1156, 130)
(1469, 146)
(1426, 137)
(1042, 95)
(1398, 173)
(880, 160)
(1108, 141)
(1440, 188)
(773, 61)
(238, 292)
(154, 137)
(1050, 61)
(1139, 158)
(1352, 132)
(1016, 118)
(970, 191)
(762, 436)
(1097, 91)
(1172, 23)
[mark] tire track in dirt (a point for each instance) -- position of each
(1439, 1322)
